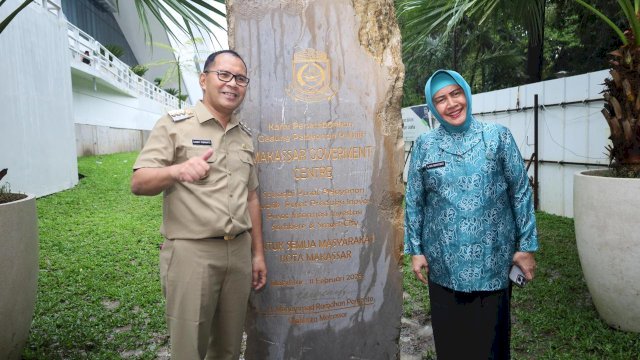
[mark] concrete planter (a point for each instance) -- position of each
(18, 274)
(607, 226)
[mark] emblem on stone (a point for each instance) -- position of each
(311, 78)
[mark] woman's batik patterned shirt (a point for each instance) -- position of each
(469, 206)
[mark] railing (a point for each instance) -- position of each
(85, 49)
(53, 6)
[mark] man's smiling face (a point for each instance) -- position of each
(222, 98)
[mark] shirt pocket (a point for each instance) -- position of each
(243, 164)
(433, 173)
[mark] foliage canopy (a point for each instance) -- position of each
(490, 41)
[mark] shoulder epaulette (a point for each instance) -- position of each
(180, 114)
(245, 128)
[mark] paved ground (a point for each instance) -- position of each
(416, 341)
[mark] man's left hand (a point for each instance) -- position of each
(259, 272)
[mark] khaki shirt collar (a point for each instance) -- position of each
(203, 114)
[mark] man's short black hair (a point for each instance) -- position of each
(212, 58)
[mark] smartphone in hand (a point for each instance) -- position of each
(517, 276)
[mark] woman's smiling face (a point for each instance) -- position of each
(451, 104)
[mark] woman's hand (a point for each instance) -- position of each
(526, 262)
(420, 267)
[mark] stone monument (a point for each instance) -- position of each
(324, 108)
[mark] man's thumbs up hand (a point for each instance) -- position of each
(194, 169)
(207, 154)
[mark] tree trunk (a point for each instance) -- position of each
(535, 49)
(455, 49)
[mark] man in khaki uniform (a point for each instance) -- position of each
(202, 159)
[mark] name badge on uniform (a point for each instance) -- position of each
(435, 165)
(201, 142)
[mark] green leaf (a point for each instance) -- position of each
(183, 14)
(13, 14)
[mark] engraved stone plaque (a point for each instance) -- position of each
(324, 108)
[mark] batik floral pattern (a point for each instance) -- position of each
(469, 216)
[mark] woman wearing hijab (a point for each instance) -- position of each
(469, 217)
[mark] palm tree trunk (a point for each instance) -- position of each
(535, 49)
(455, 49)
(474, 69)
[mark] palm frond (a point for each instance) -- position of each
(632, 17)
(13, 14)
(183, 14)
(609, 22)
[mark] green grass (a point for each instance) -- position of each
(99, 291)
(553, 317)
(417, 304)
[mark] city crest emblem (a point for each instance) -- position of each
(311, 76)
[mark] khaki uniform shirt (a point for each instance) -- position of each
(215, 206)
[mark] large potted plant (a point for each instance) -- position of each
(18, 269)
(607, 221)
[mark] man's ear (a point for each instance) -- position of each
(202, 81)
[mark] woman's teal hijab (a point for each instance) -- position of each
(437, 81)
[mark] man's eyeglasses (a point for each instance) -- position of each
(226, 76)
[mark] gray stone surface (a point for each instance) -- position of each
(324, 108)
(405, 356)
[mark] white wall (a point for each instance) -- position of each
(109, 120)
(103, 106)
(575, 133)
(97, 140)
(37, 136)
